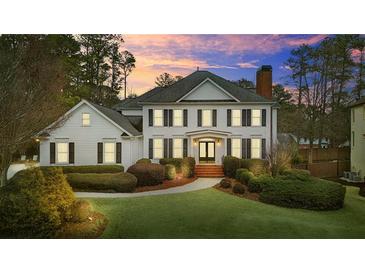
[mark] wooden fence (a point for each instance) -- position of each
(329, 169)
(324, 154)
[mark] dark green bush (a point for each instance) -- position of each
(91, 169)
(34, 204)
(257, 184)
(238, 188)
(143, 161)
(148, 174)
(230, 165)
(256, 166)
(172, 161)
(80, 211)
(310, 194)
(362, 191)
(224, 183)
(300, 174)
(238, 173)
(188, 167)
(170, 172)
(116, 182)
(246, 176)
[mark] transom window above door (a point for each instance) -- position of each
(158, 118)
(207, 119)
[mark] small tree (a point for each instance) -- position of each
(280, 158)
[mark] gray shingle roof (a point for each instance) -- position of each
(132, 103)
(118, 118)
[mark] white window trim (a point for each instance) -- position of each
(211, 117)
(181, 148)
(68, 153)
(240, 118)
(82, 119)
(154, 148)
(260, 118)
(182, 118)
(104, 152)
(154, 117)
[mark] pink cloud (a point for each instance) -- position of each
(251, 64)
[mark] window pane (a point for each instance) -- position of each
(210, 150)
(178, 117)
(62, 152)
(158, 118)
(236, 117)
(255, 148)
(109, 152)
(202, 150)
(178, 148)
(157, 148)
(206, 118)
(236, 148)
(85, 119)
(256, 117)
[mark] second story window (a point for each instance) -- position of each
(236, 117)
(86, 119)
(256, 117)
(178, 117)
(207, 118)
(158, 118)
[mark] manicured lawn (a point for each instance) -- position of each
(213, 214)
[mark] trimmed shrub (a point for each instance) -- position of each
(148, 174)
(224, 183)
(300, 174)
(170, 172)
(362, 191)
(188, 167)
(90, 169)
(143, 161)
(172, 161)
(116, 182)
(80, 211)
(246, 176)
(238, 189)
(315, 194)
(34, 204)
(230, 165)
(256, 166)
(257, 184)
(238, 173)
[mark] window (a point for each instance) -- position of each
(62, 153)
(256, 117)
(109, 152)
(236, 148)
(178, 118)
(236, 117)
(353, 139)
(178, 148)
(157, 148)
(255, 148)
(86, 119)
(207, 118)
(158, 118)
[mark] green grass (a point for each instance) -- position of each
(213, 214)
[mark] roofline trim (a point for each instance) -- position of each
(208, 103)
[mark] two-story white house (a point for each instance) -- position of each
(202, 115)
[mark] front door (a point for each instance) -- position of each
(207, 151)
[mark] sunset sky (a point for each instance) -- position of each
(229, 56)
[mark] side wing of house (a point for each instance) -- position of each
(87, 137)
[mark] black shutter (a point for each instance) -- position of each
(229, 146)
(248, 149)
(249, 117)
(263, 117)
(199, 117)
(150, 148)
(263, 148)
(244, 148)
(214, 117)
(244, 117)
(170, 148)
(185, 117)
(52, 149)
(119, 153)
(165, 147)
(71, 153)
(185, 148)
(100, 153)
(229, 117)
(150, 117)
(165, 118)
(170, 118)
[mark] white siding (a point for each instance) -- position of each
(207, 91)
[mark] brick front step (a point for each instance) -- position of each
(209, 171)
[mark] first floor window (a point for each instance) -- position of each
(236, 117)
(178, 118)
(86, 119)
(178, 148)
(62, 153)
(255, 148)
(158, 118)
(236, 148)
(109, 152)
(157, 148)
(207, 118)
(256, 117)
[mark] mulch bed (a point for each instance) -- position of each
(178, 181)
(247, 194)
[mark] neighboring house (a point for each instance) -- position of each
(358, 136)
(202, 115)
(305, 143)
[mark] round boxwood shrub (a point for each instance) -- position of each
(238, 188)
(238, 173)
(172, 161)
(90, 169)
(256, 166)
(224, 183)
(362, 191)
(143, 161)
(148, 174)
(80, 211)
(110, 182)
(314, 194)
(188, 167)
(257, 184)
(246, 176)
(170, 172)
(230, 165)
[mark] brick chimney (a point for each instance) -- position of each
(264, 81)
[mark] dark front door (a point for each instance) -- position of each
(207, 151)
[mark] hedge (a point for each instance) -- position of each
(172, 161)
(239, 172)
(148, 174)
(300, 174)
(116, 182)
(188, 167)
(238, 188)
(91, 169)
(230, 165)
(143, 161)
(170, 172)
(246, 176)
(256, 166)
(35, 203)
(257, 184)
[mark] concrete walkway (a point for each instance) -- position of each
(200, 183)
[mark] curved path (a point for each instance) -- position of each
(200, 183)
